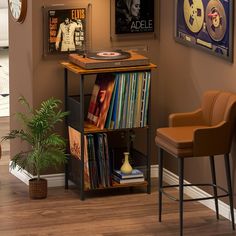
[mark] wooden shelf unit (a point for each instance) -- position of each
(77, 121)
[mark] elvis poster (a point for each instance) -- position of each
(134, 16)
(66, 30)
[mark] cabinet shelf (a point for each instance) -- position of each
(78, 70)
(78, 105)
(117, 185)
(90, 128)
(73, 104)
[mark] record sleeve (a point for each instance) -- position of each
(65, 30)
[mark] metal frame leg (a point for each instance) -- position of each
(81, 93)
(148, 160)
(160, 179)
(66, 127)
(228, 176)
(67, 174)
(181, 193)
(213, 175)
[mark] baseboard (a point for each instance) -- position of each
(194, 192)
(21, 174)
(57, 180)
(54, 180)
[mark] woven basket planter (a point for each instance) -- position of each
(38, 189)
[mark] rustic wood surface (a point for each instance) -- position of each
(119, 212)
(78, 70)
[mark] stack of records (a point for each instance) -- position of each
(135, 177)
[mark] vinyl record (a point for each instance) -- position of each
(108, 55)
(216, 20)
(193, 14)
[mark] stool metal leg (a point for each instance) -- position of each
(213, 174)
(181, 193)
(228, 176)
(160, 179)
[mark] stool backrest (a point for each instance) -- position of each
(218, 106)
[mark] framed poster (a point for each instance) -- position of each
(65, 30)
(205, 24)
(134, 16)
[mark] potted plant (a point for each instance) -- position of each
(46, 148)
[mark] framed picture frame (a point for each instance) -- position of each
(65, 29)
(206, 25)
(134, 16)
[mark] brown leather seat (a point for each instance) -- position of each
(207, 131)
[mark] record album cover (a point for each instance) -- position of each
(75, 150)
(205, 24)
(66, 30)
(134, 16)
(100, 99)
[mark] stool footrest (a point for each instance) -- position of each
(194, 199)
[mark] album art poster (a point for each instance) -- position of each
(66, 30)
(205, 24)
(134, 16)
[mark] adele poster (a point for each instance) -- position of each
(134, 16)
(66, 30)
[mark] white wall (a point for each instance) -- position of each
(4, 23)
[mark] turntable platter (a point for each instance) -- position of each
(108, 55)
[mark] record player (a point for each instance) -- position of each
(108, 59)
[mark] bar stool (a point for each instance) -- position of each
(207, 131)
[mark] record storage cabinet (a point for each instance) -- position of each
(77, 105)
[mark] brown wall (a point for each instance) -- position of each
(182, 76)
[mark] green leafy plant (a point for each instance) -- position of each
(46, 147)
